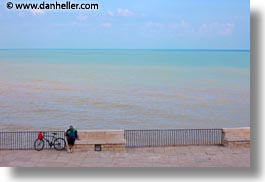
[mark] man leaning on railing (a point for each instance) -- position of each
(71, 135)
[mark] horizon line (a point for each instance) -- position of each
(173, 49)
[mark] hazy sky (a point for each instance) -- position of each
(136, 24)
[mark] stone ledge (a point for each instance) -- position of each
(236, 137)
(104, 147)
(237, 144)
(86, 142)
(110, 140)
(101, 134)
(237, 132)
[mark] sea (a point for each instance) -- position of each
(124, 89)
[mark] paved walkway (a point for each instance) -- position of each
(191, 156)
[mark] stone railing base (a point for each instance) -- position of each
(112, 140)
(236, 137)
(104, 147)
(236, 142)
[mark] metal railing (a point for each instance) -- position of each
(23, 139)
(134, 138)
(176, 137)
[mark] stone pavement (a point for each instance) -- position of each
(186, 156)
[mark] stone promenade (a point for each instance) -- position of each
(187, 156)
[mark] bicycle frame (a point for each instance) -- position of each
(49, 141)
(52, 140)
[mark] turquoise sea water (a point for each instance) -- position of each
(124, 89)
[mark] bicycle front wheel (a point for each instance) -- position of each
(38, 144)
(59, 144)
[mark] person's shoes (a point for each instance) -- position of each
(68, 150)
(71, 150)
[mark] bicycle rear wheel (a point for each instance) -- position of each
(38, 144)
(59, 144)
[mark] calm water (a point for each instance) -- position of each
(124, 89)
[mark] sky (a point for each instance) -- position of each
(137, 24)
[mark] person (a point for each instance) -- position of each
(71, 135)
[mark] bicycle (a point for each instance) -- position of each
(58, 143)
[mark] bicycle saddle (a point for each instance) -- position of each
(54, 133)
